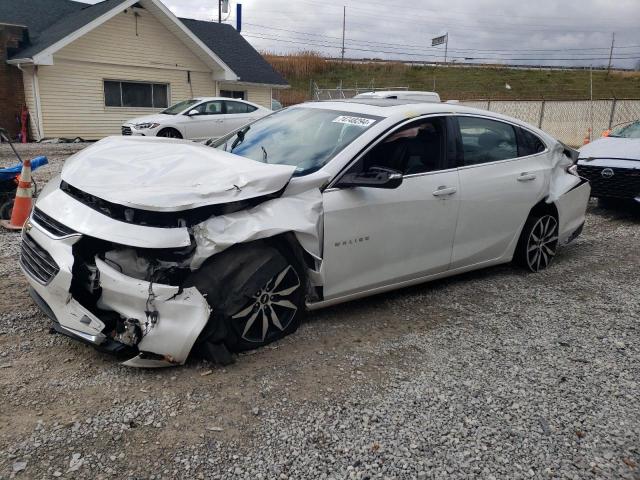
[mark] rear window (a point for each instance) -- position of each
(528, 143)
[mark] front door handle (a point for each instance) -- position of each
(443, 190)
(526, 177)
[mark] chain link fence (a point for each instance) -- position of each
(567, 120)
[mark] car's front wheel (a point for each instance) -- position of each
(256, 292)
(169, 133)
(538, 242)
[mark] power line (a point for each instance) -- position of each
(464, 26)
(428, 55)
(426, 46)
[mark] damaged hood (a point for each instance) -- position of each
(162, 174)
(611, 147)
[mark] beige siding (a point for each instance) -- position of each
(254, 93)
(73, 96)
(72, 91)
(116, 42)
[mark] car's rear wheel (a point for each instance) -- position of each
(169, 133)
(256, 292)
(538, 242)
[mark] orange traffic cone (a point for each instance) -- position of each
(587, 137)
(22, 203)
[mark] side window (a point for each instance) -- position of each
(210, 108)
(528, 143)
(233, 94)
(485, 140)
(415, 148)
(237, 107)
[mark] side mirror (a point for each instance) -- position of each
(193, 112)
(375, 177)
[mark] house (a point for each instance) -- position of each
(82, 69)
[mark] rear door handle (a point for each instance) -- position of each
(526, 177)
(443, 190)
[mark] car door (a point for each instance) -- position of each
(375, 237)
(236, 115)
(498, 188)
(207, 123)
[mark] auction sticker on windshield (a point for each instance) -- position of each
(358, 121)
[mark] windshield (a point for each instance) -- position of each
(628, 131)
(180, 107)
(306, 138)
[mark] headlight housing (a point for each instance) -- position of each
(146, 125)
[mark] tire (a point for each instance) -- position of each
(538, 242)
(608, 202)
(256, 292)
(169, 133)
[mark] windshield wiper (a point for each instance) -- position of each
(239, 137)
(265, 155)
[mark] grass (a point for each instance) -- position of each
(452, 82)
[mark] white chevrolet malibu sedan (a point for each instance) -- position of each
(154, 248)
(196, 119)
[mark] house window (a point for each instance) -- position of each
(242, 95)
(136, 94)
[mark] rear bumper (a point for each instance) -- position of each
(572, 211)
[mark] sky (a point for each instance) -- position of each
(539, 32)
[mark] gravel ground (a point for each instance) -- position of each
(492, 374)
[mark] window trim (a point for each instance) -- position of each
(238, 100)
(460, 162)
(223, 111)
(145, 82)
(245, 94)
(451, 162)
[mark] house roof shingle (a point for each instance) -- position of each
(235, 51)
(49, 21)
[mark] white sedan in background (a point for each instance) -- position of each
(153, 248)
(612, 164)
(197, 119)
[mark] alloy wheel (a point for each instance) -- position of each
(542, 243)
(169, 134)
(271, 309)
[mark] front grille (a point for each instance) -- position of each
(52, 226)
(126, 130)
(624, 183)
(36, 261)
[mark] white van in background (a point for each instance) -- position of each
(402, 95)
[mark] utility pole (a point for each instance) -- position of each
(591, 102)
(344, 18)
(613, 40)
(219, 11)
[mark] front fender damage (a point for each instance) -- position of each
(299, 210)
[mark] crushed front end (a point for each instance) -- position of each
(121, 299)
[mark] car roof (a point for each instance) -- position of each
(208, 99)
(397, 109)
(387, 107)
